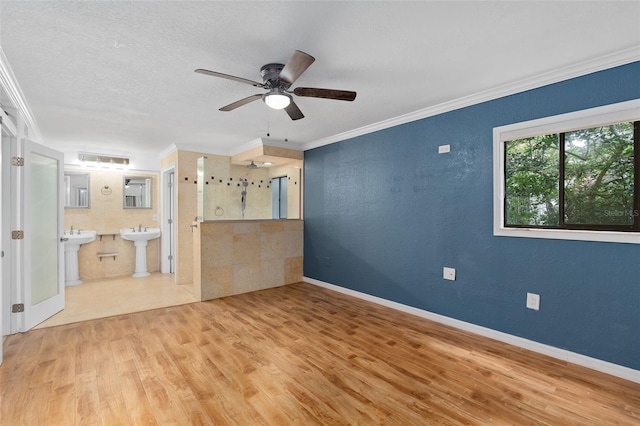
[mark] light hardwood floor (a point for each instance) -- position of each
(122, 295)
(297, 354)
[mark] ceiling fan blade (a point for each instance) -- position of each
(241, 102)
(229, 77)
(340, 95)
(293, 111)
(295, 66)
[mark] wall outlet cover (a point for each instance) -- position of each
(533, 301)
(449, 273)
(444, 149)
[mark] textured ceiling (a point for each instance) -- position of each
(118, 76)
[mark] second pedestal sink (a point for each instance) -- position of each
(72, 241)
(140, 236)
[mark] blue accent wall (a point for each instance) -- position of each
(384, 212)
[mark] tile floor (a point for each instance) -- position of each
(121, 295)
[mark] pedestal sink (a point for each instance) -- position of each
(72, 242)
(140, 236)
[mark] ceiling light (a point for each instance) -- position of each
(277, 100)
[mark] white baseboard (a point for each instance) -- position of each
(562, 354)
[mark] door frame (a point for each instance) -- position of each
(169, 204)
(6, 148)
(9, 218)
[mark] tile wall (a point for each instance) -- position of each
(107, 216)
(241, 256)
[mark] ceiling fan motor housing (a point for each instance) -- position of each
(271, 75)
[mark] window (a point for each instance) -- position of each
(573, 176)
(279, 197)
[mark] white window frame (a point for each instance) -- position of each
(608, 114)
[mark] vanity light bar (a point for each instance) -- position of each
(104, 159)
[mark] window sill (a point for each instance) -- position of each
(575, 235)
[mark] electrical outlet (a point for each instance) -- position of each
(533, 301)
(449, 273)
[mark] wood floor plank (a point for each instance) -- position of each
(297, 354)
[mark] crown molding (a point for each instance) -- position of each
(167, 151)
(612, 60)
(244, 147)
(13, 91)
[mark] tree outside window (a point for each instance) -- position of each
(580, 179)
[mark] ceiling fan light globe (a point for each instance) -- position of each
(277, 100)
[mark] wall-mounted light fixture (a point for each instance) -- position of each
(103, 161)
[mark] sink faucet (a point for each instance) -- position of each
(71, 231)
(140, 228)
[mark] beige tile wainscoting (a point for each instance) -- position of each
(234, 257)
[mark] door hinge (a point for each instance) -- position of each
(17, 235)
(18, 307)
(170, 257)
(17, 161)
(169, 221)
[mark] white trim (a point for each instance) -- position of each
(244, 147)
(623, 111)
(561, 354)
(168, 244)
(622, 57)
(10, 85)
(168, 150)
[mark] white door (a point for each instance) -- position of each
(43, 225)
(9, 132)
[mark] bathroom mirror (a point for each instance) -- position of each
(76, 190)
(136, 192)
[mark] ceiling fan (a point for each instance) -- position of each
(278, 79)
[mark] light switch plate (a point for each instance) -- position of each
(533, 301)
(444, 149)
(449, 273)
